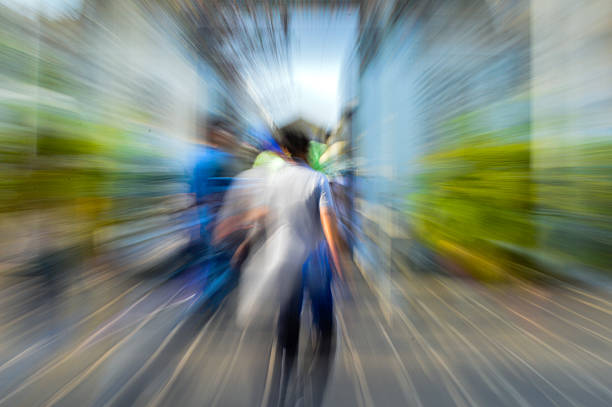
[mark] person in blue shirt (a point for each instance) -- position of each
(214, 166)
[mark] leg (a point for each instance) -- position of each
(318, 284)
(288, 334)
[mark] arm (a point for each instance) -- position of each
(330, 230)
(237, 222)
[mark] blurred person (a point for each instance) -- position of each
(239, 228)
(303, 227)
(285, 200)
(215, 165)
(300, 225)
(271, 156)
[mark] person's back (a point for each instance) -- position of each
(213, 168)
(295, 196)
(292, 231)
(210, 163)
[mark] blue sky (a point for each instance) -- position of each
(320, 42)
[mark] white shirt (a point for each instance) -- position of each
(295, 195)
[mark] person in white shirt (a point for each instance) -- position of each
(297, 211)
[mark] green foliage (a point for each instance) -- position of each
(574, 187)
(314, 154)
(475, 197)
(53, 156)
(493, 201)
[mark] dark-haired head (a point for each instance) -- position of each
(294, 141)
(218, 132)
(215, 123)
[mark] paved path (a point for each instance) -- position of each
(437, 342)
